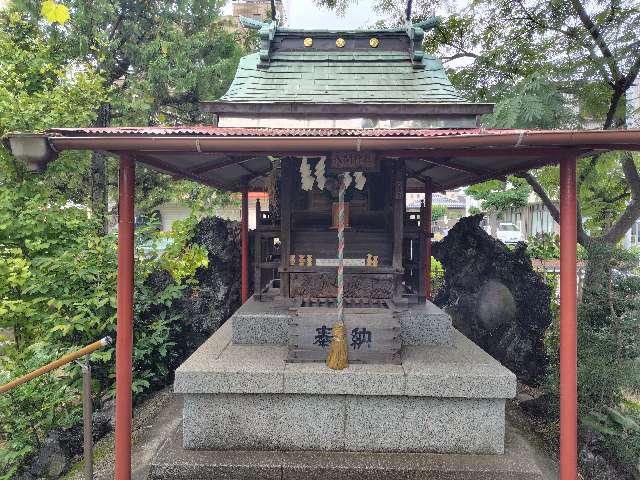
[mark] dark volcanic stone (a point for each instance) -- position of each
(495, 297)
(213, 300)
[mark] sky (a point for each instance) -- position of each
(305, 14)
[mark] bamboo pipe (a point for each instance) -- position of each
(70, 357)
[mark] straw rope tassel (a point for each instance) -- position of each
(337, 358)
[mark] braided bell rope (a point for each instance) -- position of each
(340, 299)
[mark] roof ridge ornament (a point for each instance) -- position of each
(416, 33)
(267, 32)
(252, 23)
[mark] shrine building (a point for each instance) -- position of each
(337, 126)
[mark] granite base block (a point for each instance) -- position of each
(267, 323)
(460, 371)
(261, 323)
(425, 324)
(343, 422)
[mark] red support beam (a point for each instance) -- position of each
(426, 225)
(244, 239)
(568, 321)
(124, 329)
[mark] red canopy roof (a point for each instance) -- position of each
(239, 158)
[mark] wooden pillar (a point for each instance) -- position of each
(244, 240)
(568, 321)
(258, 212)
(124, 329)
(399, 206)
(426, 228)
(285, 223)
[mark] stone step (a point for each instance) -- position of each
(267, 323)
(173, 462)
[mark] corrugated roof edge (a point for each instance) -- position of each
(206, 130)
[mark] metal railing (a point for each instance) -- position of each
(87, 406)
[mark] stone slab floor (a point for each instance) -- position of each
(157, 418)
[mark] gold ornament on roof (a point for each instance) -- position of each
(374, 42)
(308, 42)
(340, 42)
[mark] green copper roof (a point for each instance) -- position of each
(341, 77)
(325, 72)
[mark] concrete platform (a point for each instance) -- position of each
(267, 323)
(441, 399)
(173, 462)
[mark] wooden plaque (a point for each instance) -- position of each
(353, 162)
(373, 335)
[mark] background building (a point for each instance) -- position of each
(258, 9)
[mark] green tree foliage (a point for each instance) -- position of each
(438, 212)
(161, 58)
(496, 195)
(532, 103)
(157, 61)
(40, 88)
(546, 246)
(57, 272)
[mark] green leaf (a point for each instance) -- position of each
(54, 12)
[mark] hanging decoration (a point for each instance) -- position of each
(360, 180)
(320, 171)
(306, 177)
(337, 357)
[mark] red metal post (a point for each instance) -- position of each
(124, 332)
(244, 239)
(426, 225)
(568, 321)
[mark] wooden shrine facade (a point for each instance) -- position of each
(295, 243)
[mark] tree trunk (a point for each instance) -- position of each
(99, 188)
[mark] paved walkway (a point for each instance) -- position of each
(158, 417)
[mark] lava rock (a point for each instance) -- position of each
(56, 454)
(216, 297)
(495, 297)
(537, 407)
(104, 419)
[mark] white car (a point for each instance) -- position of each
(509, 233)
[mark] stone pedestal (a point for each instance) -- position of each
(447, 396)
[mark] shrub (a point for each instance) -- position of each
(57, 291)
(608, 355)
(546, 246)
(437, 276)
